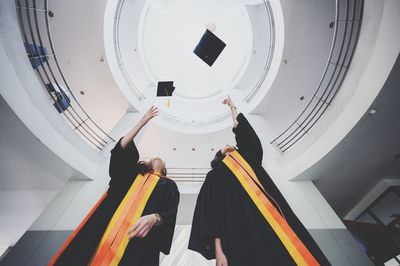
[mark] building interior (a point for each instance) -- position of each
(318, 80)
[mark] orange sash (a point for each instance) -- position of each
(75, 232)
(115, 240)
(248, 179)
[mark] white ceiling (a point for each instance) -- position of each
(307, 44)
(366, 155)
(77, 33)
(154, 40)
(79, 43)
(168, 36)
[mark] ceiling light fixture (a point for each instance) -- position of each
(372, 111)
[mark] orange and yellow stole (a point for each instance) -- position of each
(248, 179)
(115, 239)
(75, 232)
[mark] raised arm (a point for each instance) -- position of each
(247, 140)
(124, 155)
(228, 101)
(128, 138)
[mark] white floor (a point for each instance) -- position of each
(180, 255)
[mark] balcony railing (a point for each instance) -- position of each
(347, 27)
(34, 16)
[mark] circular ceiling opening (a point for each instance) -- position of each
(168, 36)
(209, 49)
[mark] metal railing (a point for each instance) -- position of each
(347, 27)
(33, 16)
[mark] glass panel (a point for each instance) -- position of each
(387, 207)
(366, 218)
(391, 262)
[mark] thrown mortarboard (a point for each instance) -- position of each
(165, 88)
(209, 47)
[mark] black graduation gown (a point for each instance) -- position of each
(224, 210)
(163, 200)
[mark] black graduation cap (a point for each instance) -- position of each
(209, 48)
(165, 88)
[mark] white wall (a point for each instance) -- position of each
(375, 55)
(30, 176)
(21, 89)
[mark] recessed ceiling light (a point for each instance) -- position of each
(372, 111)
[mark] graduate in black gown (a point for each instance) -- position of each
(152, 232)
(227, 225)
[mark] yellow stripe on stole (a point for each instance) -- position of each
(138, 213)
(120, 209)
(147, 182)
(252, 190)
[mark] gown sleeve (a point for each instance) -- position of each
(123, 162)
(168, 210)
(247, 140)
(205, 224)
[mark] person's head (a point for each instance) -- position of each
(158, 165)
(155, 164)
(220, 155)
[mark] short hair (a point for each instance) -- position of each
(146, 167)
(217, 159)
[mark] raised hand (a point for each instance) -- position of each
(152, 112)
(128, 138)
(228, 101)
